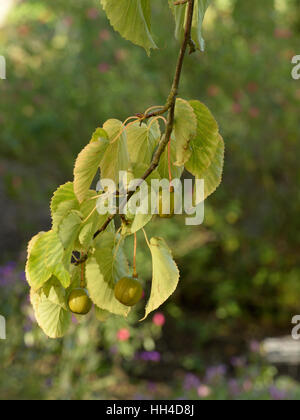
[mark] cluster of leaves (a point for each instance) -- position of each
(122, 14)
(52, 269)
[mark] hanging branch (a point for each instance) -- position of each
(169, 107)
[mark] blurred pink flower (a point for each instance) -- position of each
(254, 112)
(104, 35)
(204, 391)
(68, 20)
(24, 30)
(213, 90)
(104, 67)
(159, 319)
(238, 94)
(252, 87)
(123, 334)
(236, 108)
(282, 33)
(247, 385)
(92, 13)
(254, 346)
(255, 49)
(121, 55)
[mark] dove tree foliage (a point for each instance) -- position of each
(84, 250)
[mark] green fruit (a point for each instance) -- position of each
(79, 302)
(161, 205)
(128, 291)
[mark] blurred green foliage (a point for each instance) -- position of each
(67, 72)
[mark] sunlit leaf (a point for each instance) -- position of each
(99, 134)
(132, 19)
(142, 140)
(180, 15)
(51, 311)
(213, 174)
(204, 144)
(63, 201)
(163, 167)
(37, 272)
(185, 126)
(54, 259)
(68, 232)
(86, 166)
(116, 157)
(103, 269)
(165, 275)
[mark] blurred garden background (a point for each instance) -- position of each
(67, 72)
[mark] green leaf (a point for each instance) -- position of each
(185, 129)
(139, 169)
(69, 228)
(68, 232)
(54, 259)
(200, 9)
(63, 201)
(142, 141)
(103, 270)
(137, 221)
(116, 157)
(204, 145)
(99, 134)
(51, 311)
(180, 14)
(92, 220)
(87, 163)
(37, 272)
(213, 174)
(132, 19)
(165, 275)
(163, 167)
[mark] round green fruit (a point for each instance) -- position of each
(79, 302)
(128, 291)
(162, 204)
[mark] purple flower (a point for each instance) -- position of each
(233, 386)
(215, 372)
(277, 394)
(103, 67)
(152, 387)
(191, 381)
(113, 350)
(48, 382)
(7, 274)
(140, 397)
(150, 356)
(28, 325)
(254, 346)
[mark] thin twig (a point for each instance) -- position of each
(170, 106)
(177, 3)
